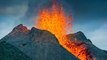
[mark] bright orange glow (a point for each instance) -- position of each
(56, 22)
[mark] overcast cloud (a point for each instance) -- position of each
(89, 16)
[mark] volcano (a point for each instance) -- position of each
(43, 45)
(57, 22)
(37, 44)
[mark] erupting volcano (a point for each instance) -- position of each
(55, 21)
(52, 37)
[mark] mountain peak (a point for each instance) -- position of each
(33, 29)
(20, 25)
(78, 36)
(37, 33)
(21, 28)
(80, 32)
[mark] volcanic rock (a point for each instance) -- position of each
(90, 50)
(9, 52)
(37, 44)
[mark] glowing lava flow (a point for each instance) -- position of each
(56, 22)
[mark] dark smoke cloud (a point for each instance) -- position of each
(89, 16)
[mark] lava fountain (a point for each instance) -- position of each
(55, 21)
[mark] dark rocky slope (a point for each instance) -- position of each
(37, 44)
(9, 52)
(92, 51)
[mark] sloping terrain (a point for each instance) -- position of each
(43, 45)
(90, 50)
(38, 44)
(9, 52)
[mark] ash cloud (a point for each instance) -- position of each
(88, 16)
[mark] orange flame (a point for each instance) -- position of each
(54, 21)
(57, 23)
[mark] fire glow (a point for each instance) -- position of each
(56, 22)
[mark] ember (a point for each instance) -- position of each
(56, 22)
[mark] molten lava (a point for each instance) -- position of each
(56, 22)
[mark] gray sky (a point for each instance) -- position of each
(89, 16)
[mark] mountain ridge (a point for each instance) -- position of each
(40, 41)
(93, 52)
(38, 44)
